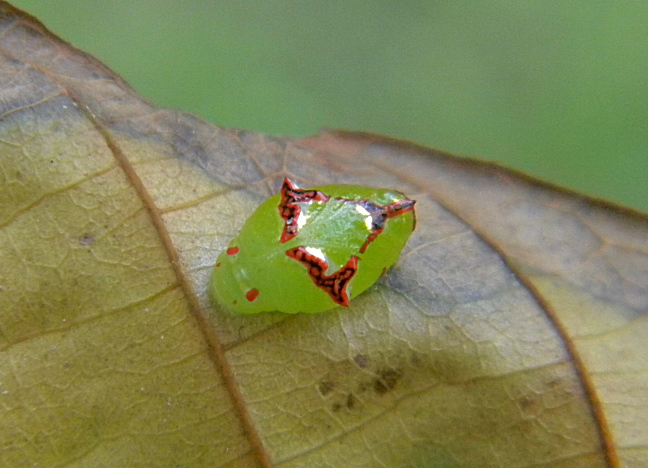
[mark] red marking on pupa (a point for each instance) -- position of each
(252, 294)
(289, 210)
(334, 285)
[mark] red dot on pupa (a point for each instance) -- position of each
(252, 294)
(233, 250)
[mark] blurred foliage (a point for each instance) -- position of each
(557, 89)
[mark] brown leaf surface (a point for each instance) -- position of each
(512, 332)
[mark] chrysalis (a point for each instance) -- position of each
(309, 250)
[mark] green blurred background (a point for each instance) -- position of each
(557, 89)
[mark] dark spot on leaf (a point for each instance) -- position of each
(351, 401)
(363, 387)
(527, 404)
(386, 381)
(361, 361)
(87, 239)
(416, 360)
(336, 407)
(326, 387)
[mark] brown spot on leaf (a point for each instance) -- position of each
(528, 405)
(386, 381)
(87, 239)
(415, 360)
(349, 403)
(361, 360)
(363, 387)
(326, 387)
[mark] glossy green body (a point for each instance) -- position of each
(338, 228)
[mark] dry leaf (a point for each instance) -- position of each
(512, 332)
